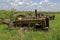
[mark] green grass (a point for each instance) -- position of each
(17, 34)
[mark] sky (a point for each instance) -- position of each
(30, 5)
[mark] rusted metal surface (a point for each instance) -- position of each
(6, 21)
(39, 19)
(42, 21)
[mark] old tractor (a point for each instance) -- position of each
(36, 23)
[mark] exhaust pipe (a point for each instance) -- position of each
(36, 14)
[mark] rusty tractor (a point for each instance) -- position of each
(36, 23)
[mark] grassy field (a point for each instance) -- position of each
(16, 34)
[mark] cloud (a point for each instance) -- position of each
(41, 2)
(44, 5)
(46, 0)
(14, 3)
(20, 3)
